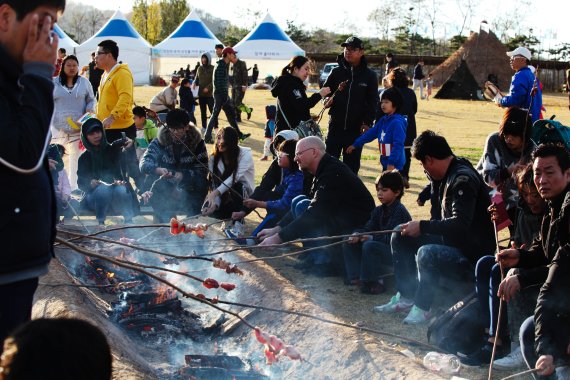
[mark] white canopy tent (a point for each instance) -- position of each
(133, 49)
(267, 46)
(65, 41)
(191, 39)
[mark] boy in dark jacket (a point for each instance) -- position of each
(99, 173)
(363, 261)
(187, 102)
(27, 56)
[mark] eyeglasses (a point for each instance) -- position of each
(351, 50)
(298, 154)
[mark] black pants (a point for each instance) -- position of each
(222, 102)
(169, 197)
(206, 102)
(131, 161)
(337, 142)
(232, 201)
(16, 300)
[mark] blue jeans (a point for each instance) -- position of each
(115, 196)
(487, 280)
(299, 205)
(420, 262)
(363, 261)
(222, 102)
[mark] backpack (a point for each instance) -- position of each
(460, 328)
(550, 131)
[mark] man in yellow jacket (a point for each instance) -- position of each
(116, 101)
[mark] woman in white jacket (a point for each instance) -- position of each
(73, 96)
(231, 175)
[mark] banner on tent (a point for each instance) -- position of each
(180, 52)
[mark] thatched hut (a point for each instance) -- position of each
(485, 57)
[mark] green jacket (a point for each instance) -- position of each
(204, 76)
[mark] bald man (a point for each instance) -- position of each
(338, 203)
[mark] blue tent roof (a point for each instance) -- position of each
(118, 28)
(269, 31)
(193, 28)
(58, 31)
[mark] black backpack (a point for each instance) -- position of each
(460, 328)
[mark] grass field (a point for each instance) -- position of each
(465, 124)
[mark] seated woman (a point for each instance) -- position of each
(506, 151)
(176, 165)
(231, 175)
(99, 174)
(488, 278)
(277, 201)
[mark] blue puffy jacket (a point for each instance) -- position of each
(390, 130)
(519, 93)
(290, 187)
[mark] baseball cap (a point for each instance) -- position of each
(91, 124)
(520, 51)
(229, 50)
(353, 42)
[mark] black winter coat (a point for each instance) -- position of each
(293, 102)
(27, 204)
(356, 104)
(340, 203)
(553, 235)
(465, 222)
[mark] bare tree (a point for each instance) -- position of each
(82, 21)
(432, 10)
(466, 10)
(384, 17)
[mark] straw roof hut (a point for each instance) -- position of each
(484, 55)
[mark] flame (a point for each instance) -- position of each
(164, 294)
(110, 274)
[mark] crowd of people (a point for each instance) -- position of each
(311, 189)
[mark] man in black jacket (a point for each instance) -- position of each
(353, 108)
(27, 56)
(448, 246)
(339, 201)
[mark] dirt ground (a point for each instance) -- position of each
(335, 352)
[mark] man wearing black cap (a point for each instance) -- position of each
(353, 107)
(221, 98)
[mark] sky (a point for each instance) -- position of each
(548, 20)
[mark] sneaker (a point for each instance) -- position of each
(230, 234)
(417, 316)
(249, 113)
(244, 136)
(513, 360)
(482, 355)
(396, 305)
(77, 192)
(236, 232)
(264, 158)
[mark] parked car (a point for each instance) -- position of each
(325, 72)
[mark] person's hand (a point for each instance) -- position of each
(128, 143)
(508, 287)
(350, 149)
(178, 176)
(411, 229)
(41, 44)
(508, 257)
(163, 172)
(353, 239)
(273, 239)
(146, 196)
(52, 164)
(94, 183)
(205, 90)
(243, 88)
(209, 205)
(328, 102)
(238, 215)
(420, 203)
(251, 203)
(324, 91)
(108, 121)
(545, 365)
(265, 233)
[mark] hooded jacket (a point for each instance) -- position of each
(71, 105)
(166, 152)
(116, 97)
(26, 106)
(101, 162)
(465, 222)
(356, 104)
(293, 102)
(520, 93)
(204, 77)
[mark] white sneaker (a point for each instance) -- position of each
(513, 360)
(397, 304)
